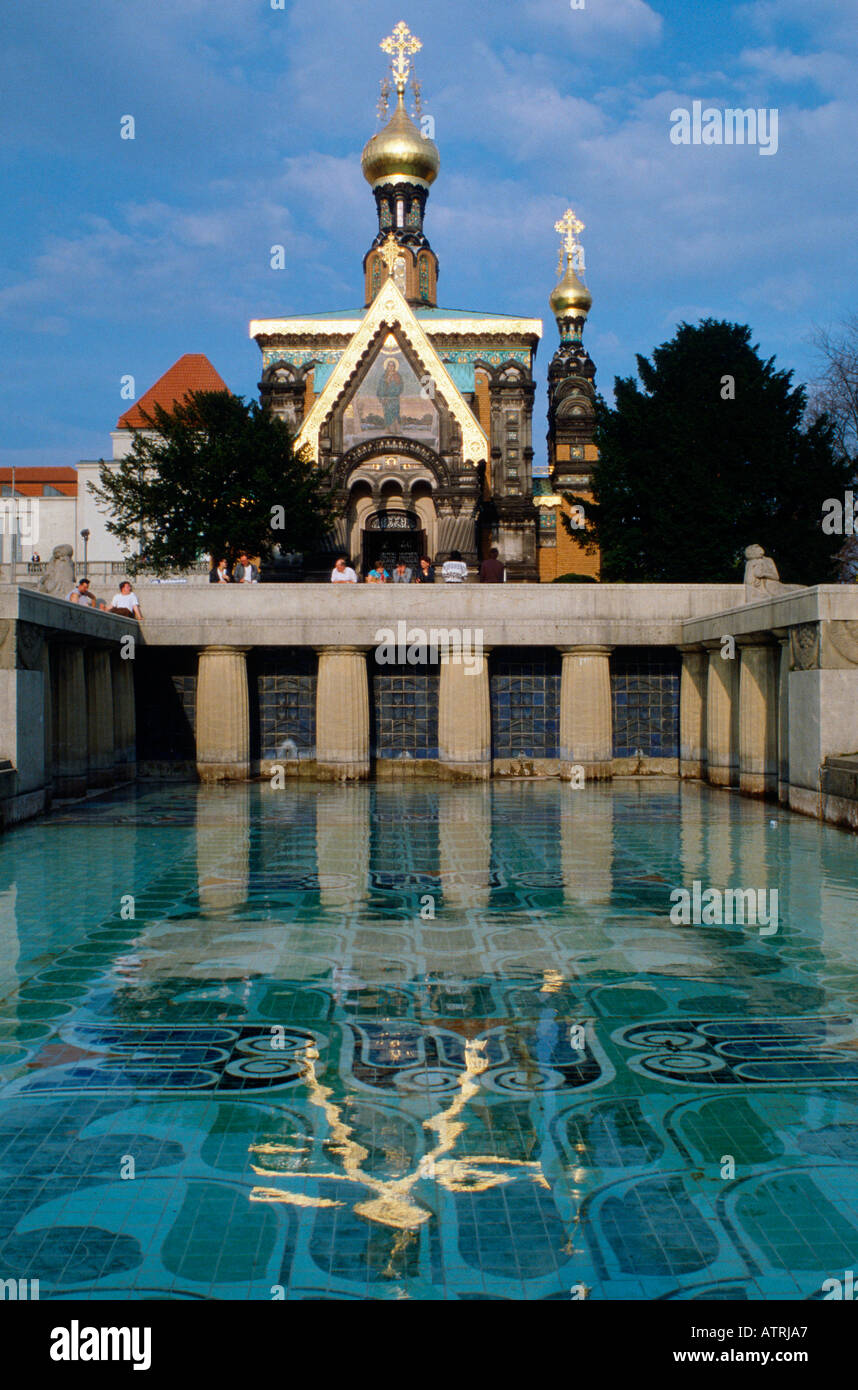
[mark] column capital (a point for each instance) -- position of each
(587, 649)
(220, 648)
(345, 649)
(691, 648)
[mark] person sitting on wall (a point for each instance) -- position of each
(492, 570)
(401, 573)
(425, 571)
(342, 573)
(219, 574)
(245, 571)
(80, 594)
(454, 570)
(126, 603)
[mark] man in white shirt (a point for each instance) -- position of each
(343, 573)
(126, 603)
(454, 570)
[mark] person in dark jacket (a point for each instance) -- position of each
(425, 571)
(492, 569)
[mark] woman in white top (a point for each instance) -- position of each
(454, 570)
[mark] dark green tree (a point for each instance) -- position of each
(213, 476)
(709, 454)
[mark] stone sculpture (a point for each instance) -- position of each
(761, 576)
(58, 578)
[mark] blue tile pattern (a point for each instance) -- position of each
(286, 694)
(404, 711)
(645, 698)
(525, 703)
(423, 1041)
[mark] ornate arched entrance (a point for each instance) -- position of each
(391, 536)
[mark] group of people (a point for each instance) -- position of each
(245, 572)
(453, 571)
(125, 603)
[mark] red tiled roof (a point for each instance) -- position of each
(193, 372)
(60, 474)
(29, 482)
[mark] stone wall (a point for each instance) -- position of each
(67, 711)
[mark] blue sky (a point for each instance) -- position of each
(118, 255)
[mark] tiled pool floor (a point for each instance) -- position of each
(425, 1041)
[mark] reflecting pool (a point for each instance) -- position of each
(428, 1041)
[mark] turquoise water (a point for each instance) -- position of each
(425, 1041)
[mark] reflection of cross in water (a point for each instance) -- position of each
(393, 1204)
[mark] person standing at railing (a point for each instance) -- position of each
(454, 570)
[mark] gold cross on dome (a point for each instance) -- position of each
(400, 45)
(569, 228)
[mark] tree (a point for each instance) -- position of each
(835, 394)
(706, 456)
(213, 476)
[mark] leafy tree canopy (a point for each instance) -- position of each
(213, 476)
(705, 455)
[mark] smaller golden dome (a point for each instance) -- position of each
(400, 150)
(570, 297)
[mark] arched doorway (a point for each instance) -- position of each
(391, 536)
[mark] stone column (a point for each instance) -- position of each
(99, 718)
(223, 715)
(124, 717)
(48, 709)
(464, 717)
(782, 634)
(586, 724)
(342, 714)
(70, 746)
(758, 717)
(721, 768)
(692, 711)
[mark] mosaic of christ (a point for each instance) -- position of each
(390, 400)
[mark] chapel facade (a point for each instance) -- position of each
(422, 416)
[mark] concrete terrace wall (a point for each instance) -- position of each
(67, 719)
(509, 615)
(569, 680)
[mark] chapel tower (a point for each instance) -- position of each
(400, 163)
(571, 393)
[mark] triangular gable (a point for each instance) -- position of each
(391, 310)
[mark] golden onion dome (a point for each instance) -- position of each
(571, 297)
(400, 151)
